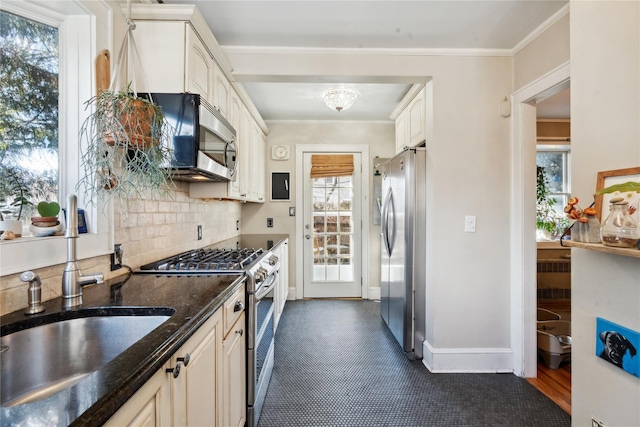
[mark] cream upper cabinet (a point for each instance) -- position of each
(417, 119)
(257, 162)
(402, 124)
(161, 46)
(222, 89)
(236, 189)
(411, 123)
(200, 67)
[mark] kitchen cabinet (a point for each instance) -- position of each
(257, 163)
(200, 67)
(234, 389)
(221, 92)
(186, 391)
(411, 123)
(149, 407)
(282, 287)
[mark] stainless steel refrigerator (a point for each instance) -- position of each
(403, 230)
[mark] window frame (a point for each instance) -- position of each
(77, 23)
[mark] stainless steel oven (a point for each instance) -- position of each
(261, 268)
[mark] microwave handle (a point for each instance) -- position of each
(235, 164)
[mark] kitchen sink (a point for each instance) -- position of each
(47, 354)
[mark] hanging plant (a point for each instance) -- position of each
(126, 138)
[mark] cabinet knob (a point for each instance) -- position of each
(175, 371)
(240, 331)
(185, 359)
(239, 306)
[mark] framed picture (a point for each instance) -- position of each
(618, 345)
(618, 176)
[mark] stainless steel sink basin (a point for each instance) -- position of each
(45, 359)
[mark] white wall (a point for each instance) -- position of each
(605, 128)
(380, 137)
(468, 174)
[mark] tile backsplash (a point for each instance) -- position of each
(148, 231)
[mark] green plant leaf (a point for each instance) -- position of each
(48, 209)
(625, 186)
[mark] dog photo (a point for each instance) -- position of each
(618, 345)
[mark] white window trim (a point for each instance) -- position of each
(77, 35)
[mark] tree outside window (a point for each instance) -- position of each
(28, 114)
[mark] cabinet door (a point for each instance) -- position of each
(234, 389)
(161, 46)
(195, 392)
(221, 92)
(149, 407)
(257, 179)
(199, 67)
(402, 124)
(417, 119)
(236, 187)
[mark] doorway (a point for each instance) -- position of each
(332, 232)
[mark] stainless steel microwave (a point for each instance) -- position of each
(204, 142)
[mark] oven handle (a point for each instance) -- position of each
(266, 288)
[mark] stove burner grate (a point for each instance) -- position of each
(206, 259)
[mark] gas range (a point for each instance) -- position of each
(205, 260)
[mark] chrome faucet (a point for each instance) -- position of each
(72, 278)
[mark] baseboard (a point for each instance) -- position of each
(374, 294)
(449, 360)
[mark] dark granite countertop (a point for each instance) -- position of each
(93, 400)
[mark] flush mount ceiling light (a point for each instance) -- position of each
(339, 99)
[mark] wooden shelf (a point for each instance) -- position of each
(632, 252)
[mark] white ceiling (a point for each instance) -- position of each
(355, 24)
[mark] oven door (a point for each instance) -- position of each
(260, 347)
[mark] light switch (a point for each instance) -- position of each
(470, 224)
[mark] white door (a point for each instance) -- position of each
(332, 233)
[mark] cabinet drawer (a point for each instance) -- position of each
(233, 309)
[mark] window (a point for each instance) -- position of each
(28, 115)
(81, 26)
(555, 159)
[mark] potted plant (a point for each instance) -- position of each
(47, 223)
(126, 140)
(12, 227)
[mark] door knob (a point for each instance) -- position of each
(307, 236)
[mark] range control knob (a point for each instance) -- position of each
(273, 260)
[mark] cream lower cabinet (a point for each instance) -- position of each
(234, 389)
(149, 407)
(282, 287)
(188, 390)
(195, 392)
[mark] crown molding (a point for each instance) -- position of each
(253, 50)
(541, 29)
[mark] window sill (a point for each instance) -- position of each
(30, 253)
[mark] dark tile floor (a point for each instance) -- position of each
(336, 364)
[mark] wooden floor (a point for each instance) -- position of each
(555, 384)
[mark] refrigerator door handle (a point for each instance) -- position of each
(391, 211)
(385, 222)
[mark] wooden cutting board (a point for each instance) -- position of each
(103, 71)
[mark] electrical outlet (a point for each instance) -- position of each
(269, 222)
(237, 224)
(116, 257)
(596, 423)
(199, 232)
